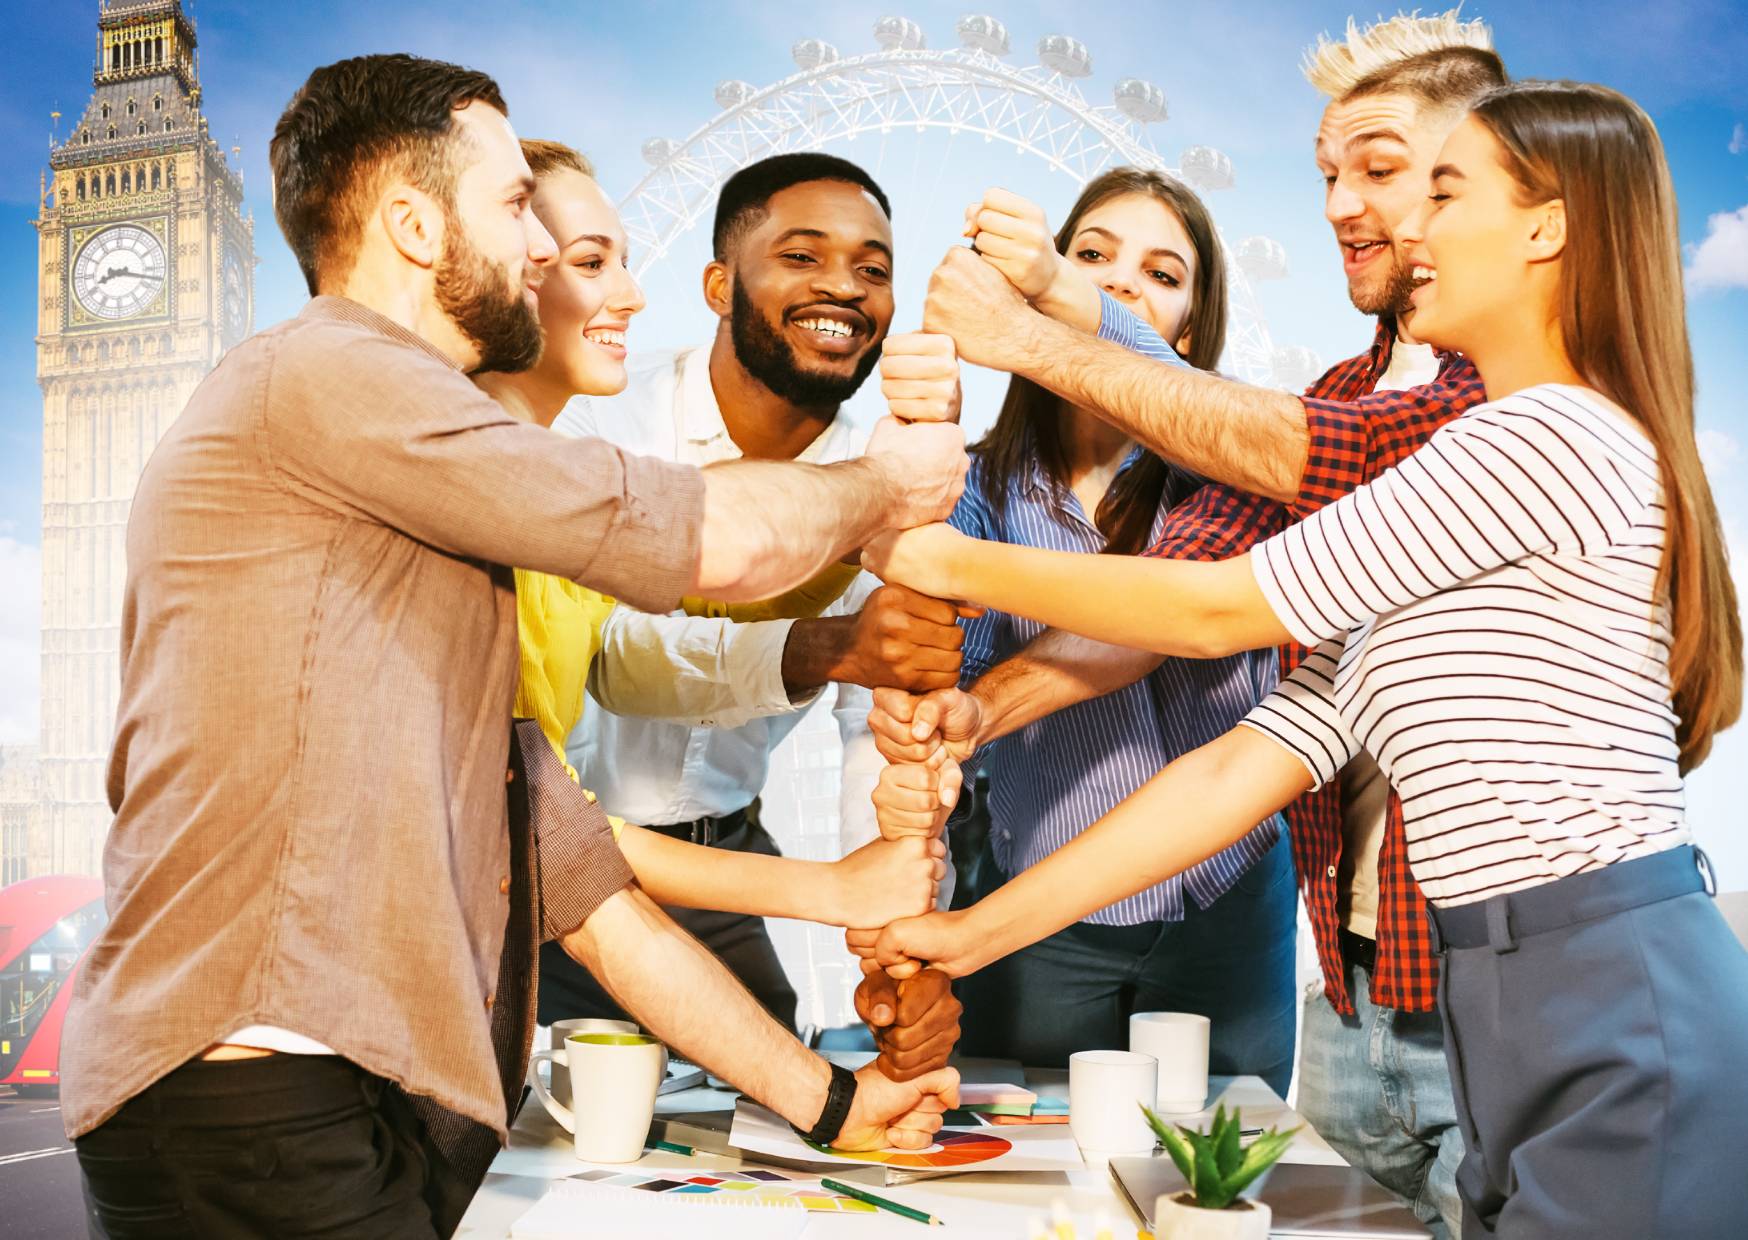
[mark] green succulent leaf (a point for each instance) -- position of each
(1259, 1157)
(1180, 1153)
(1211, 1190)
(1227, 1152)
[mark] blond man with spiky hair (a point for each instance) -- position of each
(1373, 1080)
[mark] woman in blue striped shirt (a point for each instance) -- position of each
(1219, 939)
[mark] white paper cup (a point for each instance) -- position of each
(614, 1078)
(1106, 1091)
(562, 1029)
(1179, 1041)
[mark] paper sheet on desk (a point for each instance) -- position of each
(955, 1150)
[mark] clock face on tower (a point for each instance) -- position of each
(236, 297)
(120, 272)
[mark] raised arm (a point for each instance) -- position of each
(1176, 607)
(1212, 796)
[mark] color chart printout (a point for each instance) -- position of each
(744, 1185)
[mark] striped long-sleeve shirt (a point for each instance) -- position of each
(1051, 780)
(1487, 625)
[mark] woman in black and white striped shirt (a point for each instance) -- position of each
(1530, 625)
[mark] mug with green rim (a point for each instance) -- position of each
(614, 1077)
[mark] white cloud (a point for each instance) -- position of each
(1739, 139)
(20, 641)
(1721, 260)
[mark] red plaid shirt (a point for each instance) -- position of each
(1356, 434)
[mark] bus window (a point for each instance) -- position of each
(30, 979)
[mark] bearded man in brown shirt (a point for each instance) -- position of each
(311, 1010)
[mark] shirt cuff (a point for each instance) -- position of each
(1115, 323)
(579, 862)
(1337, 451)
(1270, 561)
(658, 534)
(755, 670)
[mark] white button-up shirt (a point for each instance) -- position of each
(722, 679)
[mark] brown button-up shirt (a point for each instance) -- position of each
(318, 665)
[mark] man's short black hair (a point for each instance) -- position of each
(745, 195)
(348, 125)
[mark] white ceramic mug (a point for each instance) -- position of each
(1179, 1041)
(614, 1078)
(562, 1029)
(1106, 1091)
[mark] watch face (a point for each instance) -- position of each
(119, 272)
(236, 297)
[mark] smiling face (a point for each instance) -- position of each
(1375, 154)
(1137, 249)
(811, 291)
(589, 295)
(1485, 264)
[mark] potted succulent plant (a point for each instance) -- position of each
(1217, 1168)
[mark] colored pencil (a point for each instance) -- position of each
(672, 1147)
(862, 1194)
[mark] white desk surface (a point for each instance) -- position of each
(974, 1205)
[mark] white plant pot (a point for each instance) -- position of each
(1174, 1218)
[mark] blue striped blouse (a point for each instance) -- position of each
(1053, 779)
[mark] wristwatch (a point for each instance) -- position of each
(838, 1097)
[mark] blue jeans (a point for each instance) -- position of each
(1375, 1085)
(1075, 990)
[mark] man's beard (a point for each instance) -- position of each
(476, 295)
(770, 359)
(1394, 297)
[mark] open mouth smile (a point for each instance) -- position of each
(830, 329)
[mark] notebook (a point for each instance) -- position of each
(581, 1210)
(1307, 1200)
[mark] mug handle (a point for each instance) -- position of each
(554, 1107)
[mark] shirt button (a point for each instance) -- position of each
(503, 886)
(510, 776)
(488, 1002)
(1330, 871)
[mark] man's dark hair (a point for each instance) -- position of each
(741, 207)
(351, 124)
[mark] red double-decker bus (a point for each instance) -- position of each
(46, 927)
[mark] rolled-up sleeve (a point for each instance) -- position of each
(364, 425)
(580, 864)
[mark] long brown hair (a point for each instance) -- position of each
(1624, 322)
(1031, 418)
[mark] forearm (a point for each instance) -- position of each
(1212, 797)
(1249, 437)
(673, 872)
(1055, 671)
(816, 653)
(1187, 608)
(770, 525)
(684, 995)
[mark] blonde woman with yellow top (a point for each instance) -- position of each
(586, 303)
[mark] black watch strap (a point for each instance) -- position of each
(838, 1098)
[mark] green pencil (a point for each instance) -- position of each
(672, 1147)
(862, 1194)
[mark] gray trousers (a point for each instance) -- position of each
(1597, 1034)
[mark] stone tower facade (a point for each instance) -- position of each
(146, 277)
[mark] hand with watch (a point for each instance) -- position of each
(864, 1110)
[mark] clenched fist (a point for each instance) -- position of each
(919, 377)
(923, 464)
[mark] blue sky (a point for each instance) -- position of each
(607, 77)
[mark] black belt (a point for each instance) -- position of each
(1357, 951)
(706, 830)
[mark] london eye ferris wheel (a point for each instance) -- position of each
(905, 86)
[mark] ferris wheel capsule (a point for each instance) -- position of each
(1140, 101)
(733, 92)
(658, 151)
(1205, 168)
(812, 53)
(899, 34)
(1262, 258)
(982, 33)
(1296, 367)
(1064, 55)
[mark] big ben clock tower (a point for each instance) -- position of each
(146, 266)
